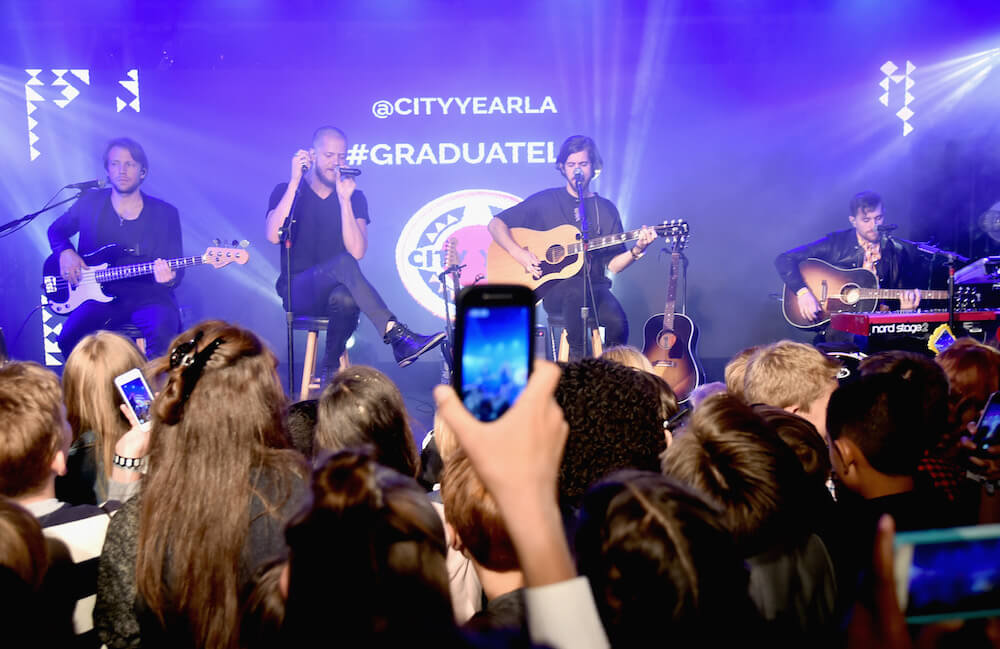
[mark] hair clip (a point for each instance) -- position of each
(183, 354)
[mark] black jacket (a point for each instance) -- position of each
(902, 264)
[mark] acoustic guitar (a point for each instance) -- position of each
(558, 251)
(63, 298)
(840, 290)
(671, 337)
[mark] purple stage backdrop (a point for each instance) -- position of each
(755, 122)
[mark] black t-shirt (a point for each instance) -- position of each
(317, 234)
(553, 207)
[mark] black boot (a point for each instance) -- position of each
(408, 346)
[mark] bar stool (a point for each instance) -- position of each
(556, 323)
(313, 325)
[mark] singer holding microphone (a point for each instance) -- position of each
(578, 162)
(121, 225)
(866, 244)
(328, 235)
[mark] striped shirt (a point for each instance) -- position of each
(81, 528)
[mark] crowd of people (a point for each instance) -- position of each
(597, 511)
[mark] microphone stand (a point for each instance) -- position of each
(286, 238)
(27, 218)
(587, 288)
(454, 271)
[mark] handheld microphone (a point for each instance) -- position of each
(88, 184)
(349, 172)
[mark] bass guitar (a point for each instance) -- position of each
(558, 251)
(63, 298)
(841, 290)
(671, 337)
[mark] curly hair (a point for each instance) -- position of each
(615, 418)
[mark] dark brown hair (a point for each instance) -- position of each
(134, 149)
(730, 453)
(575, 144)
(363, 406)
(22, 546)
(367, 558)
(214, 435)
(802, 437)
(660, 561)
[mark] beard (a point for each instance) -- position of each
(124, 186)
(329, 182)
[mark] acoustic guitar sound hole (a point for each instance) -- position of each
(555, 254)
(850, 294)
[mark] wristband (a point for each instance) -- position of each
(802, 291)
(130, 463)
(637, 256)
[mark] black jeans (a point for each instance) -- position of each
(337, 289)
(566, 299)
(157, 318)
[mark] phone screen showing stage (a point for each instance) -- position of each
(986, 434)
(950, 578)
(139, 398)
(496, 358)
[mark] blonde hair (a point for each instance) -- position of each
(788, 374)
(736, 370)
(628, 356)
(91, 397)
(444, 438)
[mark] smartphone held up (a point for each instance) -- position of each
(988, 426)
(494, 347)
(137, 396)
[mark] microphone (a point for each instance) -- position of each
(887, 228)
(349, 172)
(578, 175)
(88, 184)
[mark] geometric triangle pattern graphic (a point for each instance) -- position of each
(31, 97)
(69, 91)
(889, 71)
(50, 336)
(131, 85)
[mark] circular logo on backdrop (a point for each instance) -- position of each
(422, 246)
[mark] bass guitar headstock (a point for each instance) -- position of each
(218, 257)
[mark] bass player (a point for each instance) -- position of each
(558, 206)
(896, 263)
(130, 222)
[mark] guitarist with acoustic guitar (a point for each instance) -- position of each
(559, 207)
(895, 263)
(130, 227)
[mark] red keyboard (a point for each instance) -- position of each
(903, 322)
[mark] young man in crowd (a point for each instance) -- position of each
(34, 444)
(793, 376)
